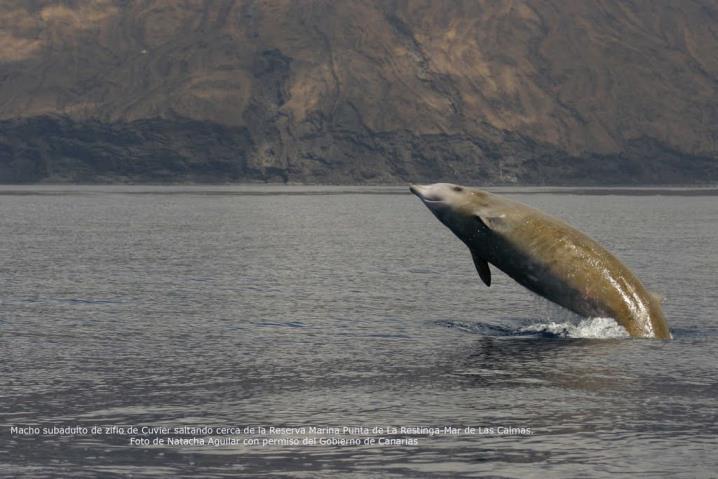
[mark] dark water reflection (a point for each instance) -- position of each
(134, 306)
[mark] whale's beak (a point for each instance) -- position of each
(425, 193)
(419, 190)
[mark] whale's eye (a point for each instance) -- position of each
(458, 189)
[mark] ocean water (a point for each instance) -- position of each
(299, 307)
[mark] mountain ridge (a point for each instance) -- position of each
(544, 92)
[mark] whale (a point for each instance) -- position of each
(545, 255)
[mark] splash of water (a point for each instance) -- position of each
(594, 328)
(551, 321)
(558, 321)
(586, 328)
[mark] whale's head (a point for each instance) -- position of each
(472, 214)
(445, 198)
(456, 206)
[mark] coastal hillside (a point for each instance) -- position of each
(484, 92)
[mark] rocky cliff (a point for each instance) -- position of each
(540, 92)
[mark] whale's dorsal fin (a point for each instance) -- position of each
(482, 267)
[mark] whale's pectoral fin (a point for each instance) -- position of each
(490, 220)
(482, 267)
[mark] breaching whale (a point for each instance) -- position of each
(545, 255)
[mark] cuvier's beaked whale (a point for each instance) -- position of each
(545, 255)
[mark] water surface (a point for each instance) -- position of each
(327, 306)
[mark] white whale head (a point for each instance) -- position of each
(476, 217)
(469, 212)
(440, 195)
